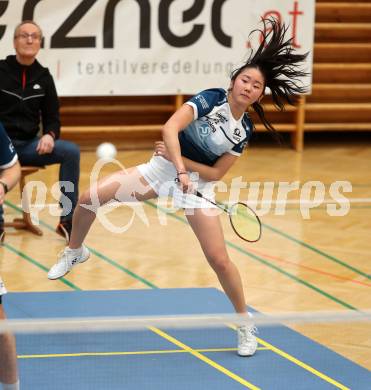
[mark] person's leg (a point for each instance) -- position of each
(123, 186)
(69, 172)
(8, 358)
(65, 153)
(209, 232)
(28, 155)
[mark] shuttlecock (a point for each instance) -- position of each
(106, 151)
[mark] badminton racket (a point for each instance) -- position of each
(245, 223)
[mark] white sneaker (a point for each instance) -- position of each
(247, 342)
(66, 260)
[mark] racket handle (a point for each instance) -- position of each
(214, 203)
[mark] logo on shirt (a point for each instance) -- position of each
(220, 118)
(11, 148)
(203, 101)
(237, 134)
(36, 86)
(204, 130)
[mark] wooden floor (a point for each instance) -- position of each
(320, 263)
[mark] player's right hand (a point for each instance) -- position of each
(185, 183)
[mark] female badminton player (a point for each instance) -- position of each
(204, 137)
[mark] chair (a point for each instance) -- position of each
(25, 222)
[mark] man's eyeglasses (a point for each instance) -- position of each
(33, 36)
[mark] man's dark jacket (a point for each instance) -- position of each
(26, 94)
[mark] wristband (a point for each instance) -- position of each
(178, 174)
(6, 189)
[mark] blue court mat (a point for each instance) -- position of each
(167, 358)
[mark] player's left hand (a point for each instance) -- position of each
(160, 150)
(45, 145)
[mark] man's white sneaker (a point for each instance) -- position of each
(247, 342)
(66, 260)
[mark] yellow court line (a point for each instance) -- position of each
(197, 353)
(303, 365)
(123, 353)
(205, 359)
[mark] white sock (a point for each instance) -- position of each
(14, 386)
(77, 250)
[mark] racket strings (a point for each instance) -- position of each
(245, 222)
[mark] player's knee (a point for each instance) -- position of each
(85, 198)
(68, 151)
(219, 262)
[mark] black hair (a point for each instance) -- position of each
(279, 65)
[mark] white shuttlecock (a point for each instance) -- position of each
(106, 150)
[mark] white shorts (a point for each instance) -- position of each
(2, 287)
(160, 175)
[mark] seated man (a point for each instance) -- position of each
(27, 92)
(9, 175)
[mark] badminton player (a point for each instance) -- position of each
(204, 137)
(9, 175)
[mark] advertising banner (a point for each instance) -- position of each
(150, 47)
